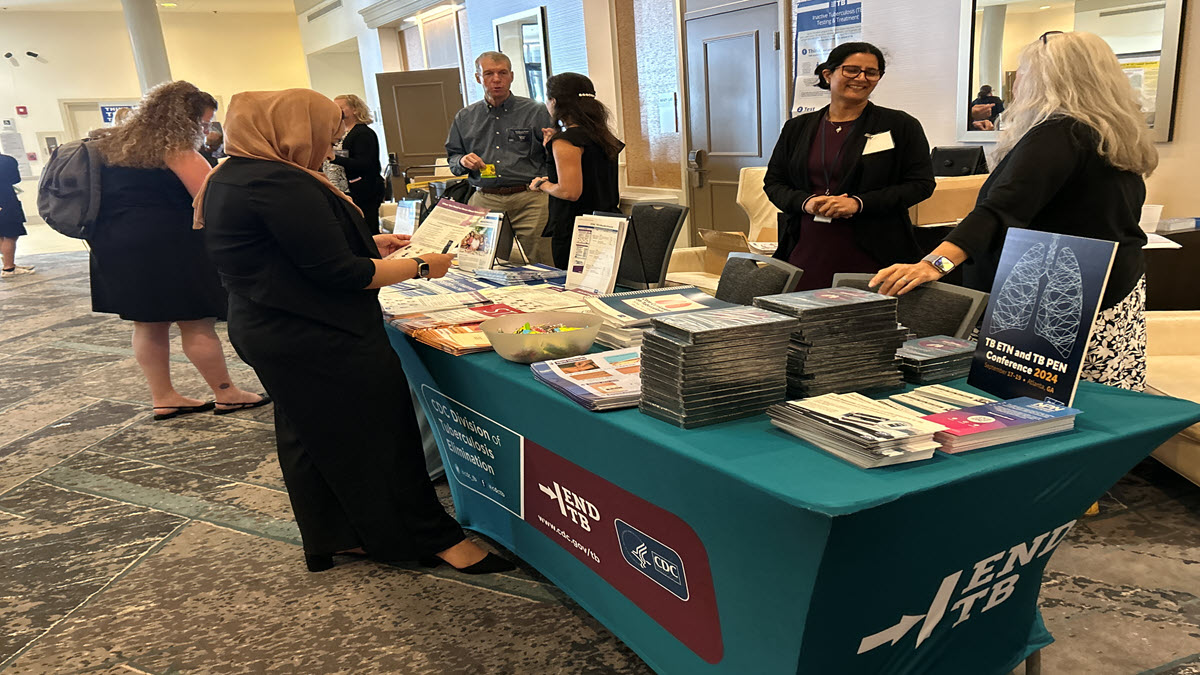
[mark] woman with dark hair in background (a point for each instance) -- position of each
(845, 175)
(583, 173)
(359, 156)
(147, 263)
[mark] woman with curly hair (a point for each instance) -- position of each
(359, 157)
(147, 263)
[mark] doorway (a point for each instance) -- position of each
(734, 105)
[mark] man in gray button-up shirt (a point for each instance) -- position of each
(497, 144)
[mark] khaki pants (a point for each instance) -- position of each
(527, 212)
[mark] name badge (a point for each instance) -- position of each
(878, 143)
(520, 135)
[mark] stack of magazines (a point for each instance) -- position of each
(858, 429)
(598, 382)
(456, 340)
(937, 398)
(518, 274)
(1000, 422)
(707, 367)
(937, 358)
(627, 314)
(846, 341)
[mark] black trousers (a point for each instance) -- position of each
(346, 434)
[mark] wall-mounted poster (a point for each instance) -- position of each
(820, 26)
(1142, 71)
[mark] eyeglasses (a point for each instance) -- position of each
(1048, 34)
(852, 72)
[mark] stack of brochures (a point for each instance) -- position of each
(517, 274)
(937, 398)
(598, 382)
(457, 340)
(627, 314)
(716, 365)
(1000, 422)
(937, 358)
(857, 429)
(846, 341)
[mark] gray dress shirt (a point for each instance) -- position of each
(508, 135)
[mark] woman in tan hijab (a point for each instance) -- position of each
(303, 312)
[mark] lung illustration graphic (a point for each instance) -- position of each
(1018, 296)
(1061, 308)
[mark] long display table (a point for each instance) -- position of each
(737, 548)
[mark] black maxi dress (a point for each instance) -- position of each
(296, 259)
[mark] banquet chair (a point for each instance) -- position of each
(749, 275)
(653, 229)
(934, 308)
(753, 200)
(701, 266)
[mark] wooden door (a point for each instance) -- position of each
(418, 108)
(734, 105)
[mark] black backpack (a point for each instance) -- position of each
(69, 191)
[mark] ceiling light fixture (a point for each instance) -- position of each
(1044, 7)
(168, 4)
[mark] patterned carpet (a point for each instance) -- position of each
(133, 546)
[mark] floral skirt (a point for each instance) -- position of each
(1116, 356)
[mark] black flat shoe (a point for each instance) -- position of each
(235, 407)
(490, 564)
(177, 410)
(319, 562)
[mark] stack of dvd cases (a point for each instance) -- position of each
(936, 358)
(712, 366)
(846, 341)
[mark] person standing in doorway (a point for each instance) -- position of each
(359, 156)
(497, 144)
(12, 219)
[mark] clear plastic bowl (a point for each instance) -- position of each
(541, 346)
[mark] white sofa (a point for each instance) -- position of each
(1173, 369)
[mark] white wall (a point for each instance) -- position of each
(336, 73)
(87, 55)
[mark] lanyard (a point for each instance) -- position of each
(824, 165)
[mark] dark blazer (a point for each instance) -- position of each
(886, 182)
(362, 146)
(282, 239)
(10, 207)
(1054, 180)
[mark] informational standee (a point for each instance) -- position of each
(820, 26)
(1038, 323)
(649, 555)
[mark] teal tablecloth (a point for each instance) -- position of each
(737, 548)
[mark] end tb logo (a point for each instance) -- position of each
(571, 504)
(652, 558)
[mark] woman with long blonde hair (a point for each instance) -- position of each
(1072, 158)
(147, 263)
(359, 156)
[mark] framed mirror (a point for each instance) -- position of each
(522, 37)
(1145, 34)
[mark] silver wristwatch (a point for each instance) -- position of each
(940, 263)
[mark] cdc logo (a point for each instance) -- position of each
(651, 557)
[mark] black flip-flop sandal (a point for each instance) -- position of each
(177, 410)
(241, 406)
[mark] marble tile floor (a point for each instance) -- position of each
(133, 546)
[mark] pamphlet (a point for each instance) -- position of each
(1000, 422)
(1039, 319)
(408, 216)
(636, 308)
(600, 381)
(477, 248)
(596, 245)
(446, 226)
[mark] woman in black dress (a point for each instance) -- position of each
(845, 175)
(360, 158)
(304, 313)
(583, 173)
(12, 219)
(147, 263)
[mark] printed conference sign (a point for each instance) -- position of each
(648, 554)
(820, 26)
(1038, 323)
